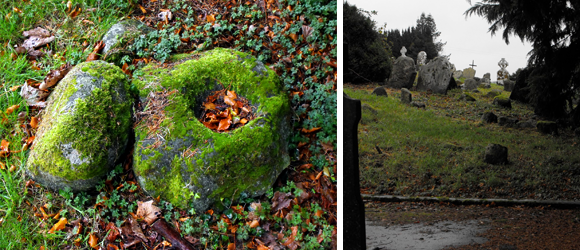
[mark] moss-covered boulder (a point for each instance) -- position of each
(84, 129)
(119, 39)
(178, 158)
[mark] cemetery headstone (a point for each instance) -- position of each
(469, 73)
(435, 76)
(502, 73)
(406, 96)
(380, 91)
(354, 236)
(403, 71)
(421, 58)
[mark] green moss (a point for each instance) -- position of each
(193, 79)
(98, 120)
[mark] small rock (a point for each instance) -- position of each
(366, 107)
(527, 124)
(380, 91)
(496, 154)
(508, 85)
(493, 93)
(502, 102)
(406, 96)
(418, 104)
(507, 122)
(467, 97)
(489, 117)
(547, 127)
(470, 84)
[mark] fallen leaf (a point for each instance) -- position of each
(281, 201)
(14, 88)
(294, 37)
(165, 15)
(93, 241)
(210, 18)
(60, 225)
(224, 124)
(36, 41)
(306, 31)
(75, 12)
(231, 246)
(12, 168)
(33, 96)
(54, 76)
(95, 54)
(308, 131)
(255, 223)
(34, 122)
(12, 109)
(142, 9)
(147, 211)
(229, 101)
(38, 31)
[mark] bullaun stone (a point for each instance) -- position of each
(403, 69)
(186, 163)
(496, 154)
(435, 76)
(85, 128)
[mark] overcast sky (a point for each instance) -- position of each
(467, 39)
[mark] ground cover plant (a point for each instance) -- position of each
(296, 39)
(438, 151)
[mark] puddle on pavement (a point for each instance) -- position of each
(419, 236)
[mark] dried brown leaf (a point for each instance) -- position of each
(60, 225)
(54, 76)
(281, 201)
(147, 211)
(38, 31)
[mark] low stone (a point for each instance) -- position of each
(507, 122)
(527, 124)
(496, 154)
(403, 69)
(547, 127)
(457, 74)
(468, 73)
(368, 108)
(470, 84)
(487, 76)
(435, 76)
(502, 102)
(418, 104)
(508, 85)
(84, 130)
(475, 91)
(186, 163)
(467, 97)
(380, 91)
(489, 117)
(119, 39)
(406, 96)
(493, 93)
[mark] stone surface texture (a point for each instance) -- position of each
(435, 76)
(406, 96)
(496, 154)
(120, 37)
(470, 84)
(85, 128)
(188, 164)
(468, 73)
(403, 69)
(380, 91)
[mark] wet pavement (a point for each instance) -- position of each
(428, 236)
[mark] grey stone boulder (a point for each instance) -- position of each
(85, 128)
(467, 97)
(470, 84)
(495, 154)
(507, 122)
(527, 124)
(402, 73)
(502, 102)
(435, 76)
(380, 91)
(188, 164)
(418, 104)
(489, 117)
(406, 96)
(547, 127)
(120, 37)
(508, 85)
(493, 93)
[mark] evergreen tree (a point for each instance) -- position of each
(368, 56)
(422, 37)
(553, 28)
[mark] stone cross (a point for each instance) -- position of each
(472, 64)
(421, 58)
(403, 51)
(354, 235)
(503, 63)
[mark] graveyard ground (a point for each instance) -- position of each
(438, 151)
(297, 39)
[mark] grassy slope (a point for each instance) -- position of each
(438, 151)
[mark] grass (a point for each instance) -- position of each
(438, 151)
(312, 224)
